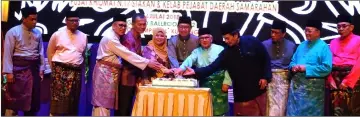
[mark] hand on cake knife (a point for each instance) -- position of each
(189, 71)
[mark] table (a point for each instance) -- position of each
(172, 101)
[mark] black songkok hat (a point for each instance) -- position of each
(28, 11)
(203, 31)
(184, 19)
(277, 24)
(120, 17)
(314, 23)
(227, 27)
(72, 14)
(344, 18)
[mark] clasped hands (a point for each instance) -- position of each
(189, 71)
(180, 72)
(177, 71)
(153, 64)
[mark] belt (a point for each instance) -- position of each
(109, 63)
(26, 60)
(68, 65)
(279, 70)
(30, 58)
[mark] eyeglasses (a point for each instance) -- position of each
(343, 26)
(204, 38)
(184, 27)
(122, 25)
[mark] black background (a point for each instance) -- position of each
(53, 19)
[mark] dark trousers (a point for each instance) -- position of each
(2, 97)
(126, 95)
(30, 113)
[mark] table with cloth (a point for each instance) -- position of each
(172, 101)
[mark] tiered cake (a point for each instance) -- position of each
(175, 82)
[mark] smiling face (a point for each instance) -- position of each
(206, 40)
(344, 28)
(159, 38)
(119, 27)
(184, 29)
(312, 33)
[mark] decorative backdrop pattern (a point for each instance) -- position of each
(96, 20)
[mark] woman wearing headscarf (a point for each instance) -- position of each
(156, 49)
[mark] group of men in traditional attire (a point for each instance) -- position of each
(119, 65)
(295, 77)
(24, 65)
(273, 77)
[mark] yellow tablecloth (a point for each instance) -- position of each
(170, 101)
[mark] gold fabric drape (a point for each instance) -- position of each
(4, 11)
(166, 101)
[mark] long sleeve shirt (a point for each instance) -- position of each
(201, 57)
(347, 52)
(67, 47)
(179, 49)
(316, 56)
(111, 50)
(247, 63)
(20, 41)
(280, 52)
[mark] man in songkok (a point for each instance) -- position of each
(66, 53)
(108, 66)
(248, 64)
(23, 65)
(344, 79)
(280, 51)
(309, 66)
(180, 46)
(217, 82)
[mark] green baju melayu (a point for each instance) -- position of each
(201, 57)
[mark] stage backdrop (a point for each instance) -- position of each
(252, 18)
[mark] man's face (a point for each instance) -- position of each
(184, 29)
(139, 25)
(119, 27)
(30, 21)
(312, 33)
(72, 23)
(277, 34)
(344, 28)
(231, 40)
(205, 40)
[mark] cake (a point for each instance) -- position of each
(177, 82)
